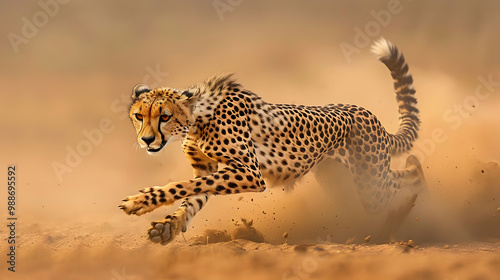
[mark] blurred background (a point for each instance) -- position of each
(67, 71)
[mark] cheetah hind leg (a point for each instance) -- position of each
(413, 164)
(415, 182)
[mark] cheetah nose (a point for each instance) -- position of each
(148, 140)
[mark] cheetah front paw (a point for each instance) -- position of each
(148, 200)
(165, 231)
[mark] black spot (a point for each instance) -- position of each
(200, 202)
(172, 191)
(183, 192)
(210, 182)
(162, 193)
(197, 190)
(232, 185)
(364, 166)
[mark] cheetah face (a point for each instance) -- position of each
(159, 116)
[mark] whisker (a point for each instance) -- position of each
(136, 145)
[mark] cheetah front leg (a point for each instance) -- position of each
(241, 174)
(166, 230)
(235, 178)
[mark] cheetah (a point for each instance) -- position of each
(236, 142)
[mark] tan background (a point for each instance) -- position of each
(79, 69)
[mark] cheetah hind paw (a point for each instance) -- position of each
(413, 162)
(165, 231)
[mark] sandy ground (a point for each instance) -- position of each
(103, 252)
(299, 242)
(76, 71)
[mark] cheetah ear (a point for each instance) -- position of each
(188, 99)
(185, 95)
(140, 89)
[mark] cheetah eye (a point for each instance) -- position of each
(139, 117)
(164, 118)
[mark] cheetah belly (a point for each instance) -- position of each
(273, 170)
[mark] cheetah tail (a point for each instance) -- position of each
(409, 120)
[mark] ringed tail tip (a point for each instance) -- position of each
(382, 49)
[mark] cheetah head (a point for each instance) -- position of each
(160, 116)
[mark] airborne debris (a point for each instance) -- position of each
(350, 240)
(367, 239)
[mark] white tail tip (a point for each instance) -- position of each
(382, 48)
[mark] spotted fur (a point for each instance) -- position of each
(260, 143)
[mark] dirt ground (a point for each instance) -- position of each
(104, 251)
(66, 85)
